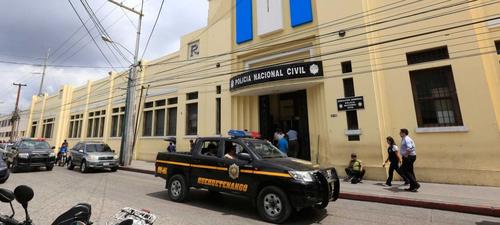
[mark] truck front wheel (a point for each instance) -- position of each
(177, 189)
(273, 205)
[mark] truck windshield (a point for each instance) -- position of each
(34, 145)
(98, 148)
(265, 149)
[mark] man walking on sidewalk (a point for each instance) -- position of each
(409, 157)
(293, 143)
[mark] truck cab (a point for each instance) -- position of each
(250, 167)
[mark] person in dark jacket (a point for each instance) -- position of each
(394, 157)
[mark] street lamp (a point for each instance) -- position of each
(108, 39)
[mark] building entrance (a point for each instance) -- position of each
(286, 111)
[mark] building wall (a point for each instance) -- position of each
(462, 154)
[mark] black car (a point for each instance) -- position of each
(253, 168)
(30, 153)
(4, 170)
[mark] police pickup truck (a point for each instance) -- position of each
(251, 167)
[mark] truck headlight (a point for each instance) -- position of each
(52, 154)
(93, 158)
(305, 176)
(115, 157)
(23, 155)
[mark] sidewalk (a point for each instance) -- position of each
(457, 198)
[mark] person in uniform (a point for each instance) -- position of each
(231, 153)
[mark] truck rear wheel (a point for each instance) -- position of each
(177, 189)
(273, 205)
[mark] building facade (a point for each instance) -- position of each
(6, 126)
(345, 75)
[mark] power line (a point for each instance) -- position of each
(76, 31)
(235, 72)
(225, 74)
(198, 70)
(100, 50)
(329, 34)
(102, 31)
(153, 29)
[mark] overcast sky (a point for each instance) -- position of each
(30, 27)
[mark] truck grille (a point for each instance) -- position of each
(106, 158)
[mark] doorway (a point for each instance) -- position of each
(286, 111)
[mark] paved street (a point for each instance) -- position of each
(58, 190)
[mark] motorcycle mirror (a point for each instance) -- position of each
(6, 196)
(23, 195)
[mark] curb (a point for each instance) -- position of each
(131, 169)
(478, 210)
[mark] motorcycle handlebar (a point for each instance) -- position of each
(5, 220)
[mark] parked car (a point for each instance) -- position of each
(30, 153)
(92, 155)
(277, 184)
(4, 170)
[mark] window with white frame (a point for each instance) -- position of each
(154, 118)
(172, 117)
(34, 126)
(95, 126)
(75, 126)
(117, 120)
(48, 126)
(192, 113)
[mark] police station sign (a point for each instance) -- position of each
(276, 73)
(350, 103)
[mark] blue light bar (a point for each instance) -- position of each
(237, 133)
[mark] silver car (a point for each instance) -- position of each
(92, 155)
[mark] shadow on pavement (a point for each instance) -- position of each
(227, 204)
(487, 223)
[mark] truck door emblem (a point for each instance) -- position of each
(234, 171)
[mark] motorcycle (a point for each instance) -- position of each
(78, 215)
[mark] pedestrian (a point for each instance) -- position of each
(409, 157)
(171, 147)
(395, 159)
(293, 143)
(283, 144)
(355, 171)
(277, 136)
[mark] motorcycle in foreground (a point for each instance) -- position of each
(77, 215)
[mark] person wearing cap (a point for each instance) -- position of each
(356, 170)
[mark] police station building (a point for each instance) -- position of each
(344, 74)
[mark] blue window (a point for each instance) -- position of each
(300, 12)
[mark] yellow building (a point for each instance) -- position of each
(344, 74)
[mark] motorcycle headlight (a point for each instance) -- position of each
(23, 155)
(305, 176)
(52, 154)
(115, 157)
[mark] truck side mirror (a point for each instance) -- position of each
(53, 147)
(245, 157)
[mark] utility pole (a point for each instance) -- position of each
(128, 134)
(15, 115)
(43, 72)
